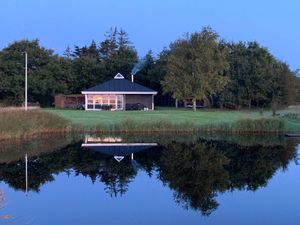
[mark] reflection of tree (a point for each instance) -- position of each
(116, 176)
(41, 169)
(13, 150)
(251, 167)
(196, 172)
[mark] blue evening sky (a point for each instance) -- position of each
(153, 24)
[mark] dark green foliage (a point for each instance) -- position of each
(50, 74)
(256, 78)
(151, 75)
(117, 53)
(199, 67)
(88, 72)
(195, 67)
(196, 171)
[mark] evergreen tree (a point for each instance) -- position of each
(68, 53)
(117, 53)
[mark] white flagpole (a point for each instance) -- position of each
(25, 81)
(26, 174)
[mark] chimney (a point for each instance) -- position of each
(132, 78)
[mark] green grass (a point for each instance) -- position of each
(15, 123)
(178, 119)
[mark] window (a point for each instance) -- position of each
(119, 102)
(96, 102)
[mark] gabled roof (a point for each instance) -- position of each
(120, 84)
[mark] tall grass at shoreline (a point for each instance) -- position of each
(164, 119)
(242, 126)
(249, 126)
(16, 123)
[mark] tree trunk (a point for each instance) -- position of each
(260, 106)
(274, 106)
(261, 111)
(249, 106)
(176, 103)
(211, 101)
(194, 105)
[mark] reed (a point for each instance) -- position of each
(16, 123)
(242, 126)
(249, 126)
(129, 125)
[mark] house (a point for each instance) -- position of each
(115, 147)
(119, 94)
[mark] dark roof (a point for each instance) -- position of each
(119, 85)
(118, 150)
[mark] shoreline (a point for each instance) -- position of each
(199, 132)
(36, 123)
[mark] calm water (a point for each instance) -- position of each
(151, 180)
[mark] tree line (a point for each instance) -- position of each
(199, 66)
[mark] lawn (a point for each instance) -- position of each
(91, 119)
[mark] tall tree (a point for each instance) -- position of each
(196, 66)
(152, 73)
(233, 94)
(44, 73)
(117, 53)
(256, 77)
(88, 67)
(282, 90)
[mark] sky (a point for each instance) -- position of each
(153, 24)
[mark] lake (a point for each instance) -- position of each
(158, 179)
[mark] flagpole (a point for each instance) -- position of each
(25, 81)
(26, 174)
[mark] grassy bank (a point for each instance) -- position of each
(16, 123)
(243, 122)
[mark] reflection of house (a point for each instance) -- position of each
(91, 140)
(115, 148)
(118, 94)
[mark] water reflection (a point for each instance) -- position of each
(195, 169)
(115, 146)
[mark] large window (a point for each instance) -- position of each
(98, 102)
